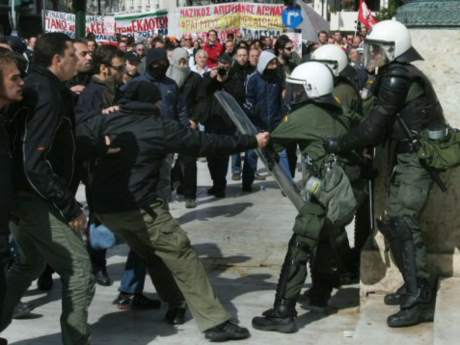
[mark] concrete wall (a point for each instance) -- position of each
(440, 218)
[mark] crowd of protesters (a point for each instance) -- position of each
(68, 84)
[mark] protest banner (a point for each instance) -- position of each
(142, 26)
(251, 20)
(54, 21)
(103, 27)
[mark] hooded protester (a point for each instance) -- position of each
(172, 105)
(178, 70)
(185, 171)
(264, 103)
(263, 93)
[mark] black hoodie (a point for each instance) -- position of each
(127, 180)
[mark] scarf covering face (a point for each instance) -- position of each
(178, 73)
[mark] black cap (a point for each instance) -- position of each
(154, 55)
(132, 58)
(225, 58)
(141, 91)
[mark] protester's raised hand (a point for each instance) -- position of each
(263, 139)
(110, 110)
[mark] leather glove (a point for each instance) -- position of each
(331, 145)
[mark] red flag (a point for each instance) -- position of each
(365, 15)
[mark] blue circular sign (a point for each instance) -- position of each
(292, 17)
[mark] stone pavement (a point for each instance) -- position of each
(242, 241)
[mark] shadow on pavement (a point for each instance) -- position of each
(213, 212)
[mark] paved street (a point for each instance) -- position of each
(242, 241)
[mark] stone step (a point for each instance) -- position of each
(372, 327)
(446, 330)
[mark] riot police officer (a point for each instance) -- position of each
(331, 194)
(329, 271)
(405, 104)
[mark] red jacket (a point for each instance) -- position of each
(214, 52)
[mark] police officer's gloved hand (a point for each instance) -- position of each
(331, 145)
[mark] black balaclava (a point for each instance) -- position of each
(157, 63)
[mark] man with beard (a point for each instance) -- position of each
(185, 170)
(100, 93)
(287, 58)
(11, 86)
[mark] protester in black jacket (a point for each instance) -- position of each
(128, 202)
(11, 87)
(50, 220)
(101, 93)
(214, 117)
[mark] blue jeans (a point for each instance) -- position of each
(133, 278)
(236, 164)
(249, 168)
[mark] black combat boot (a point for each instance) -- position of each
(419, 294)
(385, 227)
(414, 309)
(395, 298)
(282, 318)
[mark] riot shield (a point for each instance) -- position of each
(245, 126)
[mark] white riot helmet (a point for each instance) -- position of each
(309, 80)
(333, 56)
(389, 40)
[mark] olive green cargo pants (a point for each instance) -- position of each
(44, 237)
(154, 232)
(409, 189)
(308, 227)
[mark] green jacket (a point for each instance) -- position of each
(349, 100)
(309, 126)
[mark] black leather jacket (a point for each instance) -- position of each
(44, 153)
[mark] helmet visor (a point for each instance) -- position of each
(377, 54)
(295, 94)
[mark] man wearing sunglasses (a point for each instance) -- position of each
(284, 50)
(100, 93)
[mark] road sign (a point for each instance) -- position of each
(292, 16)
